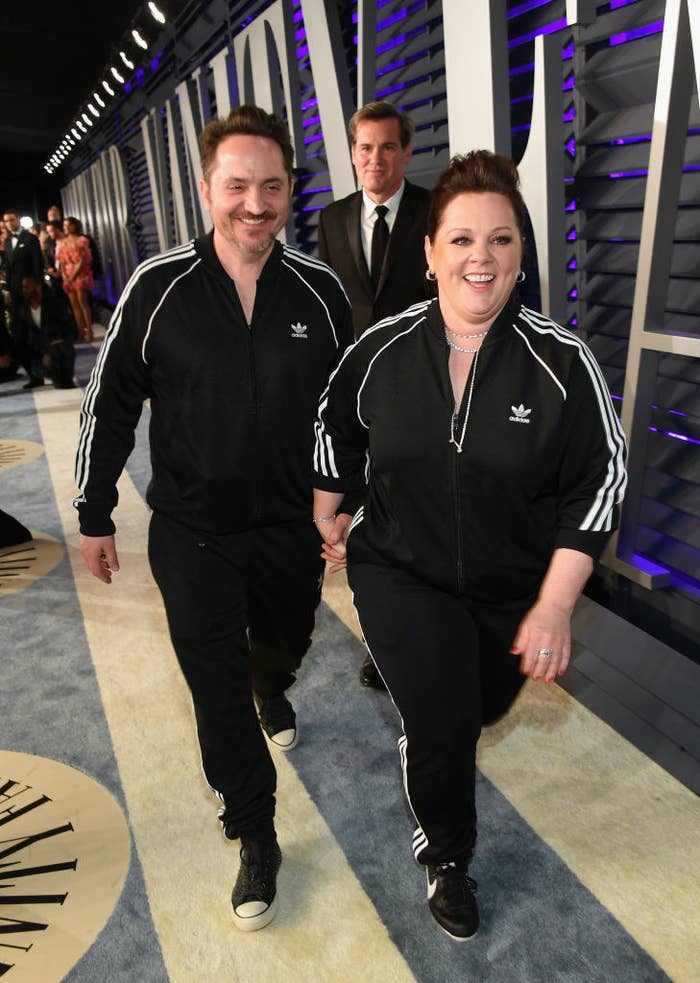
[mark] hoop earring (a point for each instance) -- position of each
(520, 278)
(430, 276)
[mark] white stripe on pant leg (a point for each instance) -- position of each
(403, 740)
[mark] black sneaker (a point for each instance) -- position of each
(278, 720)
(254, 895)
(451, 900)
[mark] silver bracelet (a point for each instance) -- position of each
(325, 518)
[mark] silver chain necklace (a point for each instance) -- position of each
(459, 348)
(466, 412)
(466, 334)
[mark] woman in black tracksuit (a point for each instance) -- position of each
(494, 464)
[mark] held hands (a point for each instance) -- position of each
(100, 556)
(335, 535)
(544, 629)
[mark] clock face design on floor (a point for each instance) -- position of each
(64, 855)
(22, 564)
(16, 452)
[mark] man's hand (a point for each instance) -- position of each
(100, 556)
(334, 540)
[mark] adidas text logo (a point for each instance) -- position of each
(520, 414)
(299, 330)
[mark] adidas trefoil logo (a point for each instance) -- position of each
(520, 414)
(299, 330)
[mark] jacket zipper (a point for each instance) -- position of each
(457, 437)
(454, 463)
(255, 413)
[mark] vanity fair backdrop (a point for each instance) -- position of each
(598, 105)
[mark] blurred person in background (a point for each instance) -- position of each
(75, 260)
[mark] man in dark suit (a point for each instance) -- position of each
(379, 256)
(43, 326)
(374, 238)
(22, 257)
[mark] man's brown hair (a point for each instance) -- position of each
(382, 110)
(245, 121)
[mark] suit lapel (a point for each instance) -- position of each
(354, 234)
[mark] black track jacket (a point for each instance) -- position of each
(541, 466)
(232, 407)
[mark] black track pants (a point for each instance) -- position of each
(447, 667)
(240, 610)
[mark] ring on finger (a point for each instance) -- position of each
(545, 653)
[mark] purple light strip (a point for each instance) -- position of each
(401, 63)
(636, 32)
(315, 191)
(521, 69)
(646, 565)
(552, 28)
(400, 15)
(388, 45)
(525, 8)
(644, 172)
(676, 436)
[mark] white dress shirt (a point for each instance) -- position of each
(368, 217)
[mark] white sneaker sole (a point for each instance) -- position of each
(255, 922)
(456, 938)
(283, 741)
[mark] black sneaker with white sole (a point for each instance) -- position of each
(278, 720)
(452, 901)
(254, 896)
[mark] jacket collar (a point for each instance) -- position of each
(498, 329)
(204, 247)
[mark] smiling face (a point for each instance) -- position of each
(476, 255)
(248, 194)
(379, 158)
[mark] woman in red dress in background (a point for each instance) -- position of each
(75, 260)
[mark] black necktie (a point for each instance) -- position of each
(380, 238)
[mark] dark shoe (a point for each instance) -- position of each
(451, 900)
(278, 720)
(34, 383)
(254, 895)
(369, 675)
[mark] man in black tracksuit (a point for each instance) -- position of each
(231, 337)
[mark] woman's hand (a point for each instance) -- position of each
(546, 628)
(543, 639)
(335, 536)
